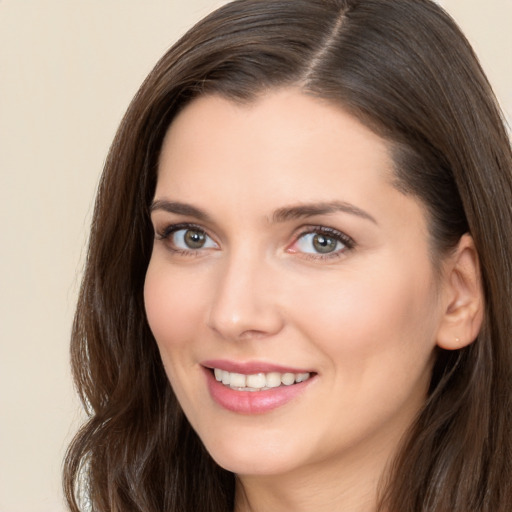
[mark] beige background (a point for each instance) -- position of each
(68, 69)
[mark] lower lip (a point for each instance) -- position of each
(252, 402)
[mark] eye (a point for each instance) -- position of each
(187, 238)
(318, 243)
(322, 242)
(192, 238)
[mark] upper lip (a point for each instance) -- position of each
(251, 367)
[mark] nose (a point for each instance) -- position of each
(245, 302)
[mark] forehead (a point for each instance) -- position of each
(279, 137)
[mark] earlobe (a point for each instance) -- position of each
(463, 298)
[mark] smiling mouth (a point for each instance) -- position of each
(258, 381)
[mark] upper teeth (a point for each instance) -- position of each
(257, 381)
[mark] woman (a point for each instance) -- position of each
(298, 288)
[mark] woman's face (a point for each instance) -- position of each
(286, 264)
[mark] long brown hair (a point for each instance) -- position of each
(404, 69)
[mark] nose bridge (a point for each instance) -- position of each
(244, 303)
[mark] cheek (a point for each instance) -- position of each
(376, 342)
(370, 315)
(173, 306)
(174, 311)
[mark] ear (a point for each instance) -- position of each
(463, 298)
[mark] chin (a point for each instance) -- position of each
(267, 458)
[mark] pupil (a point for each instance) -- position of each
(194, 239)
(324, 244)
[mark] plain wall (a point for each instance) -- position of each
(68, 69)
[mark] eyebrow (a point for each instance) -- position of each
(180, 209)
(280, 215)
(323, 208)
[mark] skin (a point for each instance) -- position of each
(365, 318)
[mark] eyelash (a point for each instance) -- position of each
(166, 233)
(336, 235)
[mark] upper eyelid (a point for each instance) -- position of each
(163, 222)
(174, 227)
(304, 230)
